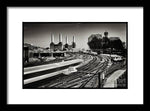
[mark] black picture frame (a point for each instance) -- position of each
(43, 3)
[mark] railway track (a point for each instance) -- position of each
(65, 78)
(80, 78)
(99, 70)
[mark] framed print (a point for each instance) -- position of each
(98, 62)
(75, 55)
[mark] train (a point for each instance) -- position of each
(117, 58)
(70, 70)
(90, 53)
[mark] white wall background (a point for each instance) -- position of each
(132, 95)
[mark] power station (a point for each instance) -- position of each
(59, 46)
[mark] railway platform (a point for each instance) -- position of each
(111, 80)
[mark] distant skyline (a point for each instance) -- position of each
(39, 34)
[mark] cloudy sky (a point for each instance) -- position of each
(39, 34)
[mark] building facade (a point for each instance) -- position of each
(60, 46)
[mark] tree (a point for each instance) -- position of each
(116, 44)
(95, 43)
(105, 43)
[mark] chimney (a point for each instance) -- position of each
(60, 37)
(73, 38)
(66, 39)
(52, 37)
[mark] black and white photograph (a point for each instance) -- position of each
(75, 55)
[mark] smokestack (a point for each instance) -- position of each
(73, 38)
(52, 37)
(73, 43)
(60, 37)
(66, 39)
